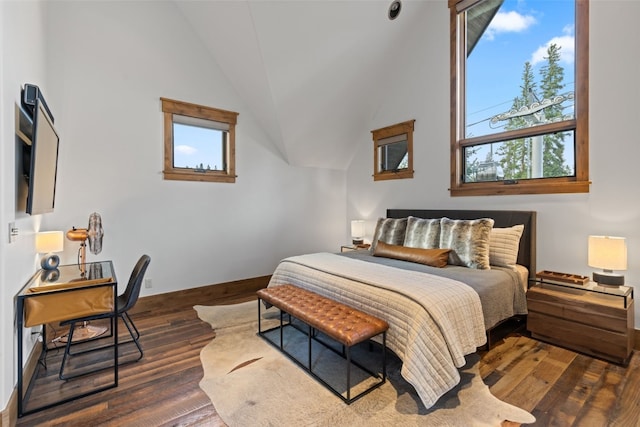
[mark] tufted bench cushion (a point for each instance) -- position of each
(340, 322)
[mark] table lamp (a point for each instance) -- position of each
(48, 242)
(608, 253)
(357, 231)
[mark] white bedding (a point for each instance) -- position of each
(433, 321)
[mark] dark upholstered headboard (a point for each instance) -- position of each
(527, 251)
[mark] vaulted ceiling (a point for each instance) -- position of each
(313, 73)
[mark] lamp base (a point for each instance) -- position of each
(608, 279)
(85, 332)
(50, 262)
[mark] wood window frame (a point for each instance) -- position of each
(580, 124)
(171, 107)
(379, 135)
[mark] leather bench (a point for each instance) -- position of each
(343, 324)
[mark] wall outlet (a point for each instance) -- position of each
(36, 334)
(147, 283)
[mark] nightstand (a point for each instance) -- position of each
(589, 318)
(349, 248)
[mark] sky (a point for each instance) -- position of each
(521, 31)
(194, 145)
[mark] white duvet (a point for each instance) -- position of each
(433, 321)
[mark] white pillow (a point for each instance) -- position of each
(503, 246)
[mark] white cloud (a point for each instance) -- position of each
(566, 45)
(186, 149)
(508, 22)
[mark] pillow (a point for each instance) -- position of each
(503, 246)
(433, 257)
(422, 233)
(468, 241)
(389, 230)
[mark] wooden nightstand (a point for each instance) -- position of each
(588, 318)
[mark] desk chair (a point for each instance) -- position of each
(124, 303)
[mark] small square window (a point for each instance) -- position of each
(393, 151)
(199, 142)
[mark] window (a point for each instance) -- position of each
(519, 97)
(199, 142)
(393, 151)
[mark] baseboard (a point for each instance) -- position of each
(206, 294)
(9, 415)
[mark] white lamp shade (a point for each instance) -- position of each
(49, 241)
(357, 228)
(607, 253)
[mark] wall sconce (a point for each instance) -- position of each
(48, 242)
(608, 253)
(357, 231)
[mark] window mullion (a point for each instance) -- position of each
(567, 125)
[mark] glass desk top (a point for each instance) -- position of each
(70, 276)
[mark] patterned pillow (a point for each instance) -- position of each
(422, 233)
(503, 246)
(468, 241)
(389, 230)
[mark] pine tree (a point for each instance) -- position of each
(552, 76)
(515, 155)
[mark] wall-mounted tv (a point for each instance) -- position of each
(40, 161)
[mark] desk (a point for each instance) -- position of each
(58, 295)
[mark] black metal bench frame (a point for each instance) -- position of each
(345, 353)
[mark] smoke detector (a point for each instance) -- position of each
(394, 9)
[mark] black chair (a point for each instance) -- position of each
(124, 303)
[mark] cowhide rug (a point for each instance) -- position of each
(251, 383)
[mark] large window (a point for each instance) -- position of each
(519, 97)
(199, 142)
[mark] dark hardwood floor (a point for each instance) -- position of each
(560, 387)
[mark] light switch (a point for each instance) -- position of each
(13, 232)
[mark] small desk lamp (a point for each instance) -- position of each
(48, 242)
(608, 253)
(357, 231)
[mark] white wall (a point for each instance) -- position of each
(22, 56)
(107, 65)
(564, 221)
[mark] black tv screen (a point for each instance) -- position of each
(43, 162)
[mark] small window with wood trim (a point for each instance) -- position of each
(199, 142)
(393, 151)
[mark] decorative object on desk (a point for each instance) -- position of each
(93, 233)
(556, 277)
(357, 231)
(48, 242)
(608, 253)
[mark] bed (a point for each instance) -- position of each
(437, 314)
